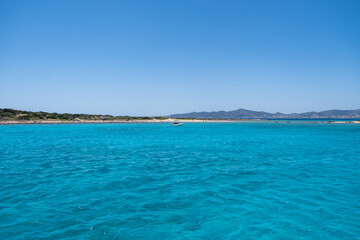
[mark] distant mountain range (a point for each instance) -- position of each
(248, 114)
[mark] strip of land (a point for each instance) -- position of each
(12, 116)
(168, 120)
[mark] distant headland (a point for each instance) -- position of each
(248, 114)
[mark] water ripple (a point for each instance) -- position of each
(198, 181)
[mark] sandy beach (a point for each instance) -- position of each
(169, 120)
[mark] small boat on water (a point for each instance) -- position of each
(176, 124)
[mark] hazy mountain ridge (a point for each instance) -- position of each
(248, 114)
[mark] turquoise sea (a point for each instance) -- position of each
(196, 181)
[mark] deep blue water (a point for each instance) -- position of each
(197, 181)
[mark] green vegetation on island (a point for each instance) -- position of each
(8, 114)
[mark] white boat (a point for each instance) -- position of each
(177, 124)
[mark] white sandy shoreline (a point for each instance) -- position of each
(169, 120)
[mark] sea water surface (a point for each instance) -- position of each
(196, 181)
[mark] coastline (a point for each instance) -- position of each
(10, 116)
(169, 120)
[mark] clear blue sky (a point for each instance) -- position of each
(162, 57)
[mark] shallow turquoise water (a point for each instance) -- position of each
(197, 181)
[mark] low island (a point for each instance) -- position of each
(12, 116)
